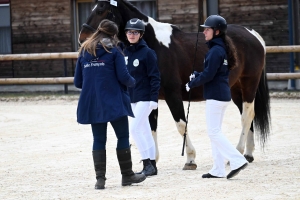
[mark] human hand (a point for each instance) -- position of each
(187, 87)
(192, 76)
(153, 105)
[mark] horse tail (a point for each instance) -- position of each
(262, 118)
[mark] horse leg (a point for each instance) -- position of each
(261, 117)
(247, 116)
(173, 99)
(250, 146)
(153, 124)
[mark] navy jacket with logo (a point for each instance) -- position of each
(104, 80)
(215, 76)
(142, 65)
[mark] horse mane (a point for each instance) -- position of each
(95, 1)
(133, 8)
(128, 5)
(176, 28)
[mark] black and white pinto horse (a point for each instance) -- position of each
(175, 50)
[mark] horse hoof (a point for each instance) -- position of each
(190, 166)
(249, 158)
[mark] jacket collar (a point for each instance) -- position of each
(137, 46)
(215, 41)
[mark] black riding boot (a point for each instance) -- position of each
(99, 157)
(153, 162)
(148, 169)
(128, 176)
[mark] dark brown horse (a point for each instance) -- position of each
(175, 50)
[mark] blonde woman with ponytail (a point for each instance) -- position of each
(103, 78)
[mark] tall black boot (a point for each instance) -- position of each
(148, 169)
(128, 176)
(153, 162)
(99, 157)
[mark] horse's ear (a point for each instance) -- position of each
(112, 2)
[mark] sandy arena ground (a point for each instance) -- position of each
(45, 154)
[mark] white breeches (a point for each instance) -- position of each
(140, 130)
(222, 150)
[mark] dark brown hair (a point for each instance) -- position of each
(231, 52)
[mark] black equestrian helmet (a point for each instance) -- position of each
(215, 21)
(135, 24)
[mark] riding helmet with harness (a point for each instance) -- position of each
(135, 24)
(216, 22)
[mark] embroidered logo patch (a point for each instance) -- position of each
(96, 62)
(136, 62)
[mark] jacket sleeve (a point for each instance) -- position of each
(153, 74)
(121, 70)
(212, 62)
(78, 74)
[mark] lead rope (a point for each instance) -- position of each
(190, 92)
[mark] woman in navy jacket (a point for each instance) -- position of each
(103, 78)
(141, 62)
(219, 60)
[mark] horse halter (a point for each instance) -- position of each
(110, 15)
(85, 25)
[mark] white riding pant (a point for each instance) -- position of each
(140, 130)
(222, 149)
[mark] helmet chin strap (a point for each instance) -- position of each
(142, 34)
(214, 34)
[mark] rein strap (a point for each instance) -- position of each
(190, 92)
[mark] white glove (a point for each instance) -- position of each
(192, 76)
(153, 105)
(187, 87)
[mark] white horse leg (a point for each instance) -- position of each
(250, 146)
(190, 150)
(247, 118)
(154, 134)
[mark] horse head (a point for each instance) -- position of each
(102, 10)
(112, 10)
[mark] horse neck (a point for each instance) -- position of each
(128, 11)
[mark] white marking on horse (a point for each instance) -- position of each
(190, 150)
(247, 118)
(260, 39)
(163, 31)
(181, 126)
(154, 134)
(250, 146)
